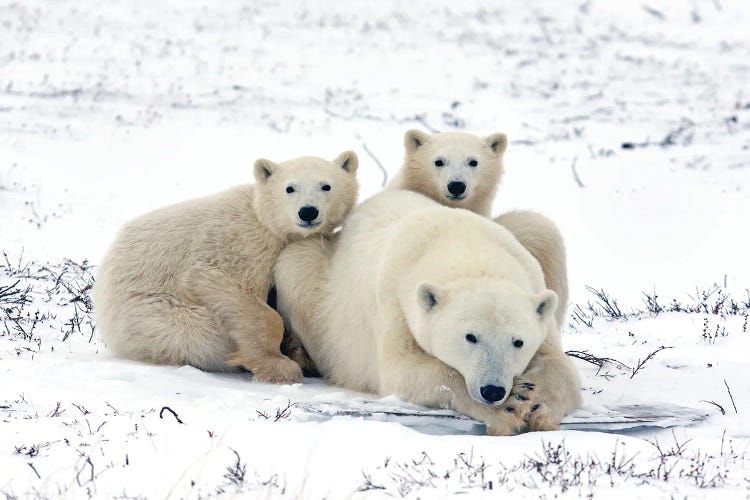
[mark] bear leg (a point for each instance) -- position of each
(163, 328)
(556, 387)
(254, 329)
(300, 276)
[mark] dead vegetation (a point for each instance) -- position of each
(715, 300)
(554, 468)
(48, 301)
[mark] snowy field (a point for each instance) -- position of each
(629, 124)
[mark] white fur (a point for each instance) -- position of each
(541, 237)
(187, 284)
(359, 306)
(455, 150)
(534, 231)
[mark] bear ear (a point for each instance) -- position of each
(545, 305)
(348, 161)
(497, 143)
(429, 296)
(415, 139)
(264, 169)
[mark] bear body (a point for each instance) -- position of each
(187, 284)
(441, 307)
(462, 170)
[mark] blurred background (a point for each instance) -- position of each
(629, 125)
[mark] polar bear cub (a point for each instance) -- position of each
(187, 284)
(456, 169)
(462, 170)
(441, 307)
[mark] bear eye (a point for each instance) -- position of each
(290, 189)
(473, 163)
(326, 187)
(439, 162)
(470, 337)
(518, 343)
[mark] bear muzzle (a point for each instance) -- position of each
(457, 190)
(308, 215)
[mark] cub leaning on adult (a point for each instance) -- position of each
(187, 284)
(463, 170)
(441, 307)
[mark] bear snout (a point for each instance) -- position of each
(308, 213)
(492, 393)
(456, 188)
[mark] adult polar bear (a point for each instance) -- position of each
(439, 306)
(462, 170)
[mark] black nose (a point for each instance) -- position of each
(456, 188)
(492, 393)
(308, 213)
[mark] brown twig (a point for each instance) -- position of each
(34, 469)
(721, 408)
(377, 161)
(170, 410)
(575, 173)
(648, 358)
(730, 396)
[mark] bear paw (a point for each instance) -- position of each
(300, 356)
(522, 398)
(540, 419)
(517, 409)
(271, 370)
(505, 422)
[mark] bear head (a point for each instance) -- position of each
(305, 196)
(487, 330)
(456, 169)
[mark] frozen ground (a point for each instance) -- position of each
(630, 127)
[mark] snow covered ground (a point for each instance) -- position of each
(629, 125)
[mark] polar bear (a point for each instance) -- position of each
(462, 170)
(456, 169)
(441, 307)
(187, 284)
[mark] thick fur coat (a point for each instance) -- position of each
(187, 284)
(462, 170)
(439, 306)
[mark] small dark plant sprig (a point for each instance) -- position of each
(609, 306)
(711, 336)
(31, 450)
(14, 295)
(585, 318)
(368, 484)
(236, 472)
(652, 303)
(666, 457)
(170, 410)
(641, 363)
(730, 396)
(282, 413)
(717, 405)
(601, 362)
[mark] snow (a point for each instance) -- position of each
(630, 126)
